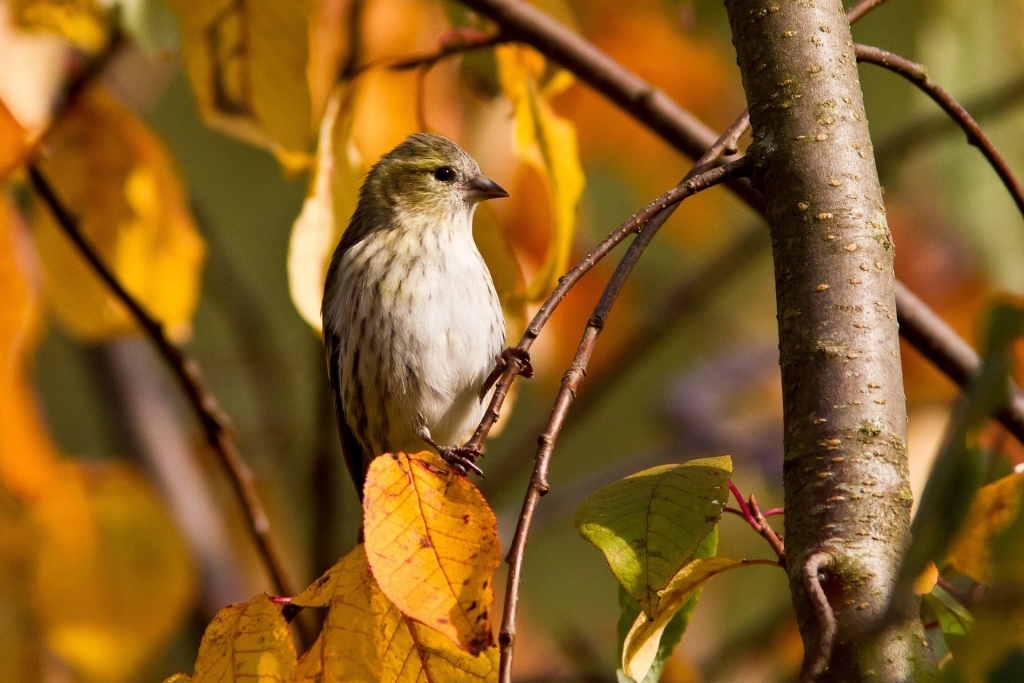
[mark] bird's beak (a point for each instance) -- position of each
(481, 187)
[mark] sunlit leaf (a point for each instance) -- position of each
(926, 580)
(247, 641)
(114, 174)
(330, 203)
(432, 544)
(641, 644)
(676, 626)
(958, 469)
(247, 62)
(547, 143)
(13, 142)
(994, 507)
(648, 525)
(80, 21)
(366, 638)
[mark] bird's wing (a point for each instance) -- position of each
(349, 444)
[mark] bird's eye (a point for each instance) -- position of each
(445, 174)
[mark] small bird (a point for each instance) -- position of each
(412, 323)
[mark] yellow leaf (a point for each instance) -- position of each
(113, 173)
(994, 507)
(547, 143)
(641, 644)
(432, 544)
(13, 142)
(247, 64)
(366, 639)
(80, 21)
(926, 580)
(178, 678)
(113, 580)
(247, 641)
(330, 203)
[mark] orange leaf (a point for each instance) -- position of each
(432, 543)
(366, 638)
(13, 141)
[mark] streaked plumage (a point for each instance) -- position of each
(411, 320)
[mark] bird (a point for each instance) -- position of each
(412, 324)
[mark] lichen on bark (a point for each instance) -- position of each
(846, 486)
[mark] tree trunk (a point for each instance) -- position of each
(847, 494)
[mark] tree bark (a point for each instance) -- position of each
(847, 494)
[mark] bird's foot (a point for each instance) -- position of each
(462, 459)
(522, 356)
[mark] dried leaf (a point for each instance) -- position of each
(247, 641)
(330, 203)
(641, 644)
(366, 638)
(247, 65)
(80, 21)
(676, 626)
(13, 142)
(650, 523)
(994, 507)
(432, 544)
(547, 143)
(113, 173)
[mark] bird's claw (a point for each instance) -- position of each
(461, 459)
(522, 356)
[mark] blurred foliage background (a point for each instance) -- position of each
(137, 550)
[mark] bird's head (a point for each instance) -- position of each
(431, 177)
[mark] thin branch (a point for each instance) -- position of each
(918, 75)
(215, 423)
(767, 532)
(817, 661)
(574, 376)
(653, 109)
(660, 324)
(460, 42)
(638, 220)
(857, 12)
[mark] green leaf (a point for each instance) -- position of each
(673, 632)
(649, 524)
(954, 619)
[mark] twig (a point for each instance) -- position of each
(751, 513)
(816, 661)
(459, 43)
(215, 423)
(766, 530)
(693, 292)
(650, 212)
(855, 13)
(652, 108)
(918, 75)
(570, 383)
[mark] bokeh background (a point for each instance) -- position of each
(686, 367)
